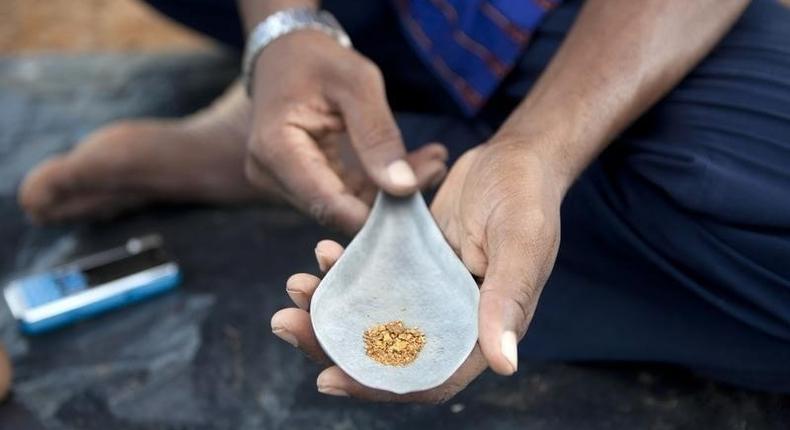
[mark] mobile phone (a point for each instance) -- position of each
(92, 285)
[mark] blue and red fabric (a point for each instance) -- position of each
(471, 45)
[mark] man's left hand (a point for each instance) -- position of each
(499, 210)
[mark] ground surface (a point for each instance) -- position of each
(203, 357)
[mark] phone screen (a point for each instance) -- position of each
(125, 266)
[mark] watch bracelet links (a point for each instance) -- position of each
(280, 24)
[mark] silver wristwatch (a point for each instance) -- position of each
(281, 23)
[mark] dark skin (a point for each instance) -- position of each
(499, 206)
(319, 134)
(5, 373)
(308, 88)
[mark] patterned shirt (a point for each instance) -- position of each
(471, 45)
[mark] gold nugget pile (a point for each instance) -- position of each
(393, 344)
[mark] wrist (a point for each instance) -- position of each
(546, 148)
(284, 23)
(254, 11)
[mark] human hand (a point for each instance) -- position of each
(499, 210)
(307, 89)
(294, 326)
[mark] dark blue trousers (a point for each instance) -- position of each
(676, 241)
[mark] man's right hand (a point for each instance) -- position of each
(307, 90)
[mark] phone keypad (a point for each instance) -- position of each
(42, 289)
(71, 282)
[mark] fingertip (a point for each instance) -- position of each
(402, 179)
(300, 288)
(437, 151)
(330, 247)
(499, 355)
(294, 326)
(327, 252)
(498, 362)
(332, 376)
(335, 382)
(302, 282)
(299, 299)
(279, 319)
(332, 391)
(508, 346)
(40, 188)
(429, 164)
(280, 329)
(431, 174)
(498, 341)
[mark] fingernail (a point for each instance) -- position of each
(509, 347)
(298, 298)
(332, 391)
(285, 335)
(401, 174)
(323, 262)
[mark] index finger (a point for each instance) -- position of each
(374, 134)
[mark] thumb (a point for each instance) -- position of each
(508, 298)
(374, 134)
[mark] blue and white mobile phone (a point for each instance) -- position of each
(92, 285)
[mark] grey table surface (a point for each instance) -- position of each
(203, 357)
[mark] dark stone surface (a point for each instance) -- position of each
(204, 357)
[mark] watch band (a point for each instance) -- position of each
(281, 23)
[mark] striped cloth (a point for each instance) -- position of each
(471, 45)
